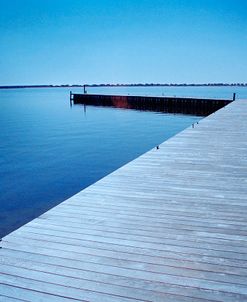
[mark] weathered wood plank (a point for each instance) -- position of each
(76, 241)
(113, 263)
(131, 286)
(17, 293)
(13, 249)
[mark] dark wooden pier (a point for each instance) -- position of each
(185, 105)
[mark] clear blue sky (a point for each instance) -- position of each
(122, 41)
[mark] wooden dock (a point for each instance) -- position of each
(169, 104)
(169, 226)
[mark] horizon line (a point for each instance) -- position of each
(120, 84)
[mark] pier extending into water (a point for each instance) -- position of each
(185, 105)
(169, 226)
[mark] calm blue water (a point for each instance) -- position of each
(50, 151)
(225, 92)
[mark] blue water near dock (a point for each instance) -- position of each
(50, 151)
(223, 92)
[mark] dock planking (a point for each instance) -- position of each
(168, 226)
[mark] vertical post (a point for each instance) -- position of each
(70, 98)
(234, 96)
(84, 89)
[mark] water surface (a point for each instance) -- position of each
(220, 92)
(50, 151)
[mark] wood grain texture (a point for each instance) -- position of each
(168, 226)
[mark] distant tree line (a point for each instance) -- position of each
(124, 85)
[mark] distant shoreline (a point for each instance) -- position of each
(126, 85)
